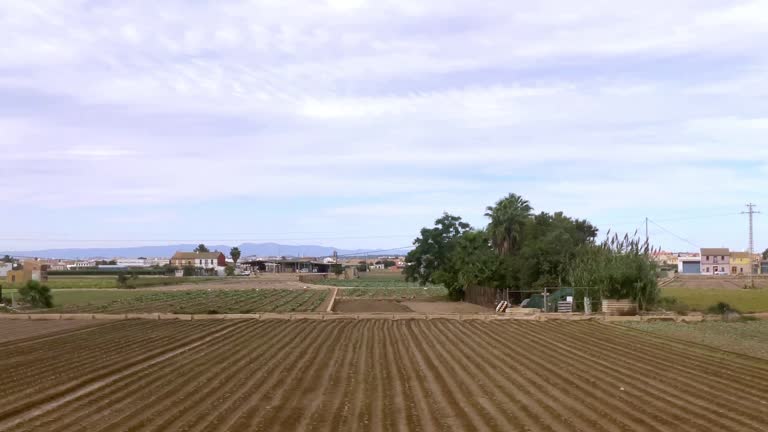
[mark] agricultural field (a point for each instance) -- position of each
(360, 375)
(746, 337)
(385, 286)
(372, 280)
(426, 293)
(192, 302)
(21, 329)
(96, 282)
(744, 300)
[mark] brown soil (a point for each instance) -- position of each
(11, 330)
(377, 375)
(430, 307)
(279, 281)
(346, 305)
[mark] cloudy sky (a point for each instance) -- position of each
(354, 123)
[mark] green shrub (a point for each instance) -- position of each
(36, 295)
(672, 304)
(620, 268)
(189, 271)
(229, 270)
(721, 308)
(159, 271)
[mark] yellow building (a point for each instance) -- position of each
(741, 263)
(31, 270)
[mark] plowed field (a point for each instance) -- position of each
(207, 301)
(379, 375)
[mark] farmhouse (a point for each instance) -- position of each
(715, 260)
(31, 271)
(205, 260)
(741, 263)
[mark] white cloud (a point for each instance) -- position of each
(596, 108)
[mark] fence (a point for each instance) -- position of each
(483, 296)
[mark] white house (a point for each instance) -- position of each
(5, 268)
(204, 260)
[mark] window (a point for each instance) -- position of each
(722, 257)
(706, 270)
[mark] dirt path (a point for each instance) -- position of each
(445, 307)
(347, 305)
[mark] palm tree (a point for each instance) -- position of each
(507, 219)
(235, 254)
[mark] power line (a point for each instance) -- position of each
(697, 217)
(375, 251)
(675, 235)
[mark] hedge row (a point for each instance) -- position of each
(110, 272)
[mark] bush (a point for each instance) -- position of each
(620, 268)
(159, 271)
(230, 270)
(189, 270)
(36, 295)
(721, 308)
(672, 304)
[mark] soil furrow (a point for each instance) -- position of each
(545, 383)
(671, 377)
(253, 400)
(288, 411)
(98, 407)
(598, 396)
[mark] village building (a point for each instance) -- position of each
(715, 261)
(204, 260)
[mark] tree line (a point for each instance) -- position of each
(522, 250)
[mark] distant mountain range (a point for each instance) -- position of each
(247, 249)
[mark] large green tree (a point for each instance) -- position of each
(432, 248)
(508, 217)
(235, 254)
(550, 242)
(471, 261)
(201, 248)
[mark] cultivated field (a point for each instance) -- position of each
(750, 337)
(358, 375)
(745, 300)
(716, 282)
(105, 282)
(21, 329)
(385, 286)
(200, 302)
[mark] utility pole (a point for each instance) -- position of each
(751, 212)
